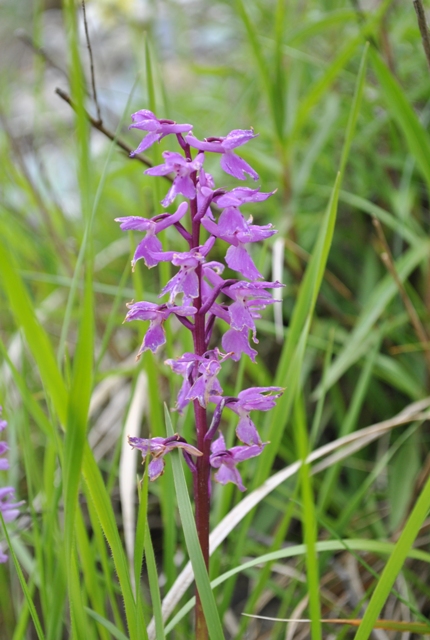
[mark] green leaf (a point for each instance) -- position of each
(192, 541)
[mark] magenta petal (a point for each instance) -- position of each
(239, 454)
(154, 338)
(147, 142)
(190, 284)
(246, 431)
(4, 464)
(239, 260)
(172, 218)
(144, 119)
(237, 138)
(229, 474)
(170, 195)
(241, 195)
(145, 249)
(218, 445)
(135, 223)
(237, 342)
(156, 468)
(215, 147)
(240, 316)
(237, 167)
(185, 186)
(231, 221)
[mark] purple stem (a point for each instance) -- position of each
(202, 475)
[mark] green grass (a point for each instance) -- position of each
(339, 98)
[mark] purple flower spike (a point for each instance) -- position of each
(156, 314)
(157, 129)
(253, 399)
(183, 184)
(230, 162)
(158, 448)
(225, 460)
(150, 248)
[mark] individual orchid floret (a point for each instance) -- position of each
(157, 129)
(184, 367)
(157, 448)
(234, 229)
(253, 399)
(225, 460)
(230, 162)
(8, 508)
(186, 280)
(150, 248)
(249, 299)
(237, 342)
(183, 168)
(206, 384)
(239, 196)
(156, 314)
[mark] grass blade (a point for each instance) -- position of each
(193, 545)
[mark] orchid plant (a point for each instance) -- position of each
(199, 295)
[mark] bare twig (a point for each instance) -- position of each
(90, 52)
(100, 127)
(388, 261)
(422, 25)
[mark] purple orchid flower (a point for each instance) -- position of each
(186, 281)
(253, 399)
(234, 229)
(249, 299)
(225, 460)
(184, 367)
(206, 384)
(230, 162)
(159, 447)
(157, 129)
(183, 184)
(9, 508)
(150, 248)
(156, 314)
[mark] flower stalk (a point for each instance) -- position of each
(193, 293)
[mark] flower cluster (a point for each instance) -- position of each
(8, 508)
(199, 294)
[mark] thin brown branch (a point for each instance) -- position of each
(100, 127)
(422, 25)
(90, 52)
(388, 261)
